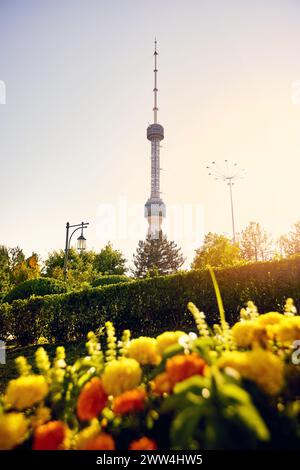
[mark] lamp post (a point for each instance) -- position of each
(229, 174)
(81, 242)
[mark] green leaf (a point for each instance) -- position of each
(250, 418)
(193, 384)
(184, 426)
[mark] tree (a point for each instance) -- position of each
(84, 267)
(217, 251)
(290, 244)
(156, 257)
(255, 243)
(109, 261)
(80, 266)
(5, 281)
(25, 269)
(16, 268)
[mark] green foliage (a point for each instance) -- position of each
(86, 266)
(214, 413)
(157, 257)
(217, 251)
(113, 279)
(38, 287)
(148, 306)
(109, 261)
(15, 268)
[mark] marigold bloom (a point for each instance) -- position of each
(25, 391)
(143, 350)
(144, 443)
(287, 331)
(13, 429)
(183, 366)
(121, 375)
(168, 338)
(49, 436)
(162, 384)
(92, 400)
(130, 401)
(246, 333)
(101, 442)
(258, 365)
(270, 318)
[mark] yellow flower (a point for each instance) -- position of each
(168, 338)
(121, 375)
(26, 391)
(13, 429)
(244, 333)
(287, 331)
(263, 367)
(270, 318)
(248, 332)
(144, 350)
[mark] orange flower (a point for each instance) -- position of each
(183, 366)
(144, 443)
(49, 436)
(162, 384)
(92, 400)
(127, 402)
(101, 442)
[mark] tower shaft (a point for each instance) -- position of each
(155, 209)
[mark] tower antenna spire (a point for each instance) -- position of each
(155, 209)
(155, 89)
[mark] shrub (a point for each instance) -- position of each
(149, 306)
(112, 279)
(39, 287)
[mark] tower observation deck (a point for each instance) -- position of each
(155, 209)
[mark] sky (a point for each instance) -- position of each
(78, 80)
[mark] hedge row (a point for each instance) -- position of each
(110, 279)
(150, 306)
(39, 287)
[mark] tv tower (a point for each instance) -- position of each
(155, 209)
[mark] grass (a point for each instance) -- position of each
(8, 371)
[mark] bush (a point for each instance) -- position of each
(39, 287)
(149, 306)
(112, 279)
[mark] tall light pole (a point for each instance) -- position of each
(81, 242)
(229, 173)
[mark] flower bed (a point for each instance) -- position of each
(223, 388)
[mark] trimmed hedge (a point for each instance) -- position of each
(150, 306)
(112, 279)
(39, 287)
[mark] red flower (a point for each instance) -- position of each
(144, 443)
(183, 366)
(102, 442)
(127, 402)
(92, 400)
(49, 436)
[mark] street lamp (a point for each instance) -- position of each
(81, 242)
(229, 174)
